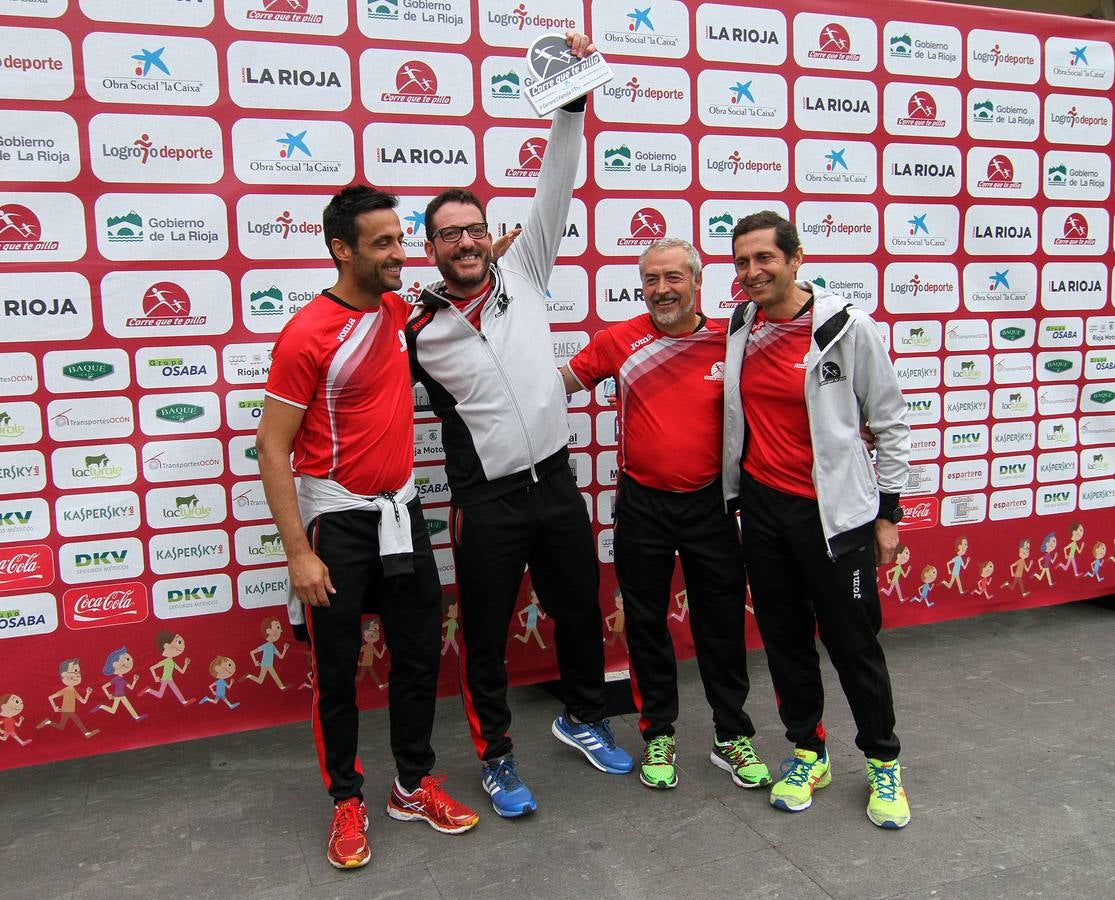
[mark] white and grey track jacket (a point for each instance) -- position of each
(497, 390)
(849, 380)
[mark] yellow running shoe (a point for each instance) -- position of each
(887, 806)
(801, 775)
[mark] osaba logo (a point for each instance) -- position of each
(834, 43)
(415, 82)
(921, 111)
(1000, 174)
(1075, 232)
(165, 304)
(21, 231)
(29, 566)
(530, 158)
(102, 605)
(647, 226)
(922, 514)
(285, 11)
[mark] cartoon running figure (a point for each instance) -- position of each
(957, 563)
(11, 709)
(222, 669)
(69, 670)
(372, 650)
(1073, 547)
(119, 663)
(1099, 551)
(170, 646)
(266, 653)
(1020, 567)
(451, 624)
(983, 586)
(928, 576)
(898, 570)
(528, 618)
(615, 623)
(1045, 561)
(681, 598)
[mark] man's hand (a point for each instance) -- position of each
(886, 542)
(579, 44)
(309, 577)
(503, 244)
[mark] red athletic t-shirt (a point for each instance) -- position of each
(348, 369)
(778, 451)
(670, 399)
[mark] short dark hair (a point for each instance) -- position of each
(785, 233)
(453, 195)
(339, 218)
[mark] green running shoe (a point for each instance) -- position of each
(658, 763)
(887, 806)
(801, 775)
(739, 757)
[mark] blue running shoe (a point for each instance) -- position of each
(510, 797)
(596, 741)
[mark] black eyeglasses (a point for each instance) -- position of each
(452, 233)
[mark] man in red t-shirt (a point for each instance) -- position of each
(339, 395)
(668, 365)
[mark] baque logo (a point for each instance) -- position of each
(1058, 366)
(165, 304)
(285, 11)
(30, 565)
(617, 159)
(180, 412)
(416, 82)
(834, 43)
(21, 231)
(506, 86)
(531, 152)
(1075, 232)
(1103, 396)
(921, 111)
(1000, 174)
(96, 607)
(647, 226)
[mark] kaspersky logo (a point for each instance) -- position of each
(88, 370)
(721, 225)
(1075, 232)
(20, 230)
(505, 86)
(1000, 174)
(180, 412)
(617, 159)
(921, 111)
(165, 303)
(415, 82)
(647, 226)
(284, 11)
(834, 43)
(531, 152)
(383, 9)
(901, 46)
(126, 229)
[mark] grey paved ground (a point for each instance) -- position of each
(1005, 720)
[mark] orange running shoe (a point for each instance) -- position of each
(430, 803)
(348, 844)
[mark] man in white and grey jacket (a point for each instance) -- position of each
(480, 343)
(805, 370)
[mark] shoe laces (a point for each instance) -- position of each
(506, 775)
(602, 731)
(884, 781)
(432, 787)
(796, 771)
(659, 750)
(348, 820)
(740, 751)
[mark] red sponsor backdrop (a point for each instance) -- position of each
(162, 171)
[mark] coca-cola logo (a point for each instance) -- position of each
(922, 513)
(107, 604)
(29, 566)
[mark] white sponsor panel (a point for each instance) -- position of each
(605, 546)
(513, 157)
(262, 588)
(1098, 398)
(961, 477)
(1002, 287)
(281, 226)
(1096, 430)
(1013, 368)
(409, 83)
(246, 363)
(580, 430)
(917, 48)
(720, 291)
(506, 213)
(1075, 231)
(921, 229)
(967, 406)
(1079, 64)
(243, 409)
(293, 151)
(922, 110)
(249, 503)
(1099, 364)
(986, 234)
(269, 297)
(22, 471)
(971, 369)
(161, 226)
(1056, 466)
(627, 227)
(23, 519)
(839, 228)
(1101, 329)
(918, 372)
(566, 344)
(115, 559)
(607, 428)
(186, 506)
(925, 443)
(432, 485)
(619, 293)
(1013, 333)
(501, 88)
(967, 334)
(150, 12)
(419, 154)
(37, 64)
(732, 98)
(108, 512)
(19, 373)
(41, 227)
(1003, 56)
(25, 615)
(171, 367)
(605, 508)
(443, 558)
(191, 595)
(567, 295)
(1097, 462)
(44, 307)
(1055, 499)
(413, 20)
(741, 34)
(922, 408)
(179, 413)
(1010, 471)
(188, 551)
(428, 445)
(93, 466)
(1061, 331)
(1076, 176)
(167, 303)
(1013, 437)
(996, 115)
(412, 216)
(272, 75)
(20, 423)
(1058, 365)
(581, 466)
(1097, 494)
(855, 281)
(963, 509)
(1058, 399)
(924, 479)
(835, 43)
(920, 288)
(39, 9)
(81, 419)
(508, 23)
(756, 164)
(156, 149)
(191, 460)
(921, 170)
(607, 469)
(648, 94)
(918, 336)
(1002, 172)
(1011, 504)
(1077, 120)
(717, 218)
(628, 160)
(157, 69)
(837, 105)
(661, 30)
(1013, 403)
(297, 16)
(37, 145)
(86, 371)
(835, 166)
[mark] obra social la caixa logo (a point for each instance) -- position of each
(27, 566)
(416, 82)
(20, 230)
(99, 606)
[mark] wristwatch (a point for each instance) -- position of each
(891, 515)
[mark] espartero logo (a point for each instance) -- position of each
(165, 303)
(21, 231)
(834, 43)
(647, 226)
